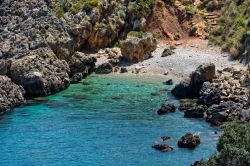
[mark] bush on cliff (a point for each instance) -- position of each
(233, 146)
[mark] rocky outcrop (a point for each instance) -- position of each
(191, 86)
(189, 141)
(11, 95)
(166, 108)
(40, 73)
(138, 46)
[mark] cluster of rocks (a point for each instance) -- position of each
(189, 141)
(220, 98)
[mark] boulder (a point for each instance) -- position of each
(138, 46)
(81, 63)
(205, 72)
(104, 68)
(11, 95)
(166, 108)
(40, 73)
(163, 147)
(189, 141)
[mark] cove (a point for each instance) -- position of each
(106, 120)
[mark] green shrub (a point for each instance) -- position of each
(233, 147)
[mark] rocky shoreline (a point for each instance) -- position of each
(217, 96)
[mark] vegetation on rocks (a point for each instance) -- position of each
(233, 147)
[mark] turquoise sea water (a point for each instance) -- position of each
(105, 121)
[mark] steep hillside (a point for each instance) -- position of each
(232, 32)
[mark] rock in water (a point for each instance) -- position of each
(166, 108)
(138, 46)
(11, 95)
(189, 141)
(163, 147)
(190, 87)
(40, 73)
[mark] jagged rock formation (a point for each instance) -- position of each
(221, 99)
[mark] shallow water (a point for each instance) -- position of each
(107, 120)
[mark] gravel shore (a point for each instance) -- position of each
(186, 58)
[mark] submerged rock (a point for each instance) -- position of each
(165, 138)
(189, 141)
(167, 52)
(163, 147)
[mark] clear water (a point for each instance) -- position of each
(110, 122)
